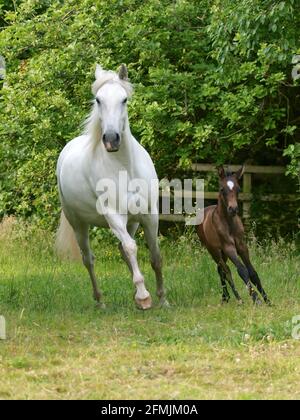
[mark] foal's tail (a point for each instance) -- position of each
(66, 245)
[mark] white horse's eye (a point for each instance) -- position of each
(125, 101)
(98, 101)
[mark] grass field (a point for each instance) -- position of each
(59, 346)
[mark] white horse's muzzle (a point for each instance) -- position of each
(111, 141)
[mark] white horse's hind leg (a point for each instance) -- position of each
(150, 225)
(82, 236)
(118, 226)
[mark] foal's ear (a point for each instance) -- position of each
(98, 72)
(240, 172)
(221, 172)
(123, 72)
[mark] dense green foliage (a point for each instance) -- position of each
(213, 83)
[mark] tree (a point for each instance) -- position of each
(212, 83)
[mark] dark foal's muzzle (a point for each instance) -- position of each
(111, 141)
(233, 211)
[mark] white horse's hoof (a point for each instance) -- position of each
(144, 304)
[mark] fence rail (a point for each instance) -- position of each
(245, 197)
(249, 169)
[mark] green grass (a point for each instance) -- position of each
(60, 346)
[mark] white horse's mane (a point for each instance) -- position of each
(110, 76)
(91, 126)
(92, 123)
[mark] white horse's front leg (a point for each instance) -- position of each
(118, 224)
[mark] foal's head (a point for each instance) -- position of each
(229, 189)
(111, 91)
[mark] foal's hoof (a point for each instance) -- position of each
(225, 301)
(100, 305)
(255, 298)
(257, 302)
(144, 304)
(163, 303)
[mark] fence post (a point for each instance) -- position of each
(2, 328)
(2, 68)
(247, 189)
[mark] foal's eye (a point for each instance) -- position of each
(98, 101)
(125, 101)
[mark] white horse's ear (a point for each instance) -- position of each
(98, 71)
(123, 72)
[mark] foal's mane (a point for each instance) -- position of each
(91, 125)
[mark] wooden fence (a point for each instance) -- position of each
(246, 196)
(2, 68)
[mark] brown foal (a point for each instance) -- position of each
(222, 232)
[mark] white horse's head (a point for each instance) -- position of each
(111, 91)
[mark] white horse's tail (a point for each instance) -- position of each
(66, 245)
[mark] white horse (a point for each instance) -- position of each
(106, 148)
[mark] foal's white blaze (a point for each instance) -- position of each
(230, 185)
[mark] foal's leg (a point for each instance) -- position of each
(82, 236)
(229, 279)
(231, 253)
(225, 293)
(224, 272)
(244, 254)
(118, 225)
(150, 225)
